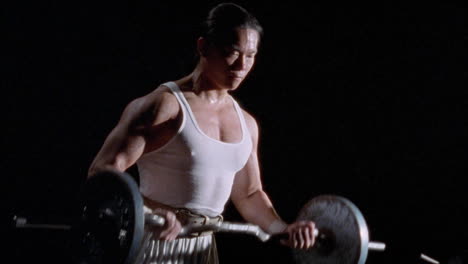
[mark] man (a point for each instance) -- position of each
(195, 147)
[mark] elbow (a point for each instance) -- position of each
(93, 170)
(97, 167)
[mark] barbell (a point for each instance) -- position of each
(111, 225)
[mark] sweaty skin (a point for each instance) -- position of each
(149, 122)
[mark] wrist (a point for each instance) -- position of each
(277, 226)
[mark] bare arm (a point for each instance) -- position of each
(255, 206)
(247, 192)
(127, 141)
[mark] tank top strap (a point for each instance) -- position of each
(240, 114)
(176, 92)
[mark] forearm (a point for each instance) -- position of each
(119, 152)
(258, 209)
(119, 162)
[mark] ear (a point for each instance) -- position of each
(202, 46)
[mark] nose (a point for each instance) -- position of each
(239, 64)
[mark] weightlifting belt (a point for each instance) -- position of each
(186, 216)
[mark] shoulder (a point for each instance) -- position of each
(251, 123)
(250, 120)
(160, 103)
(162, 98)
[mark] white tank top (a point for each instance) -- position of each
(193, 170)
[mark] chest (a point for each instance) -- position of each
(219, 123)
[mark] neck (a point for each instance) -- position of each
(206, 89)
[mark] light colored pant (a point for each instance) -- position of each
(196, 250)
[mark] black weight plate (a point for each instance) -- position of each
(111, 221)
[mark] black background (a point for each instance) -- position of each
(365, 101)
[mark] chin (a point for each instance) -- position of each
(233, 85)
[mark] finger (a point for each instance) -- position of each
(164, 233)
(175, 230)
(170, 235)
(297, 243)
(307, 239)
(168, 228)
(312, 236)
(171, 220)
(302, 244)
(292, 241)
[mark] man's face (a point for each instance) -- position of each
(228, 66)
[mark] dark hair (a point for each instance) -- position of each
(224, 19)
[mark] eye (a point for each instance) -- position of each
(230, 52)
(233, 53)
(251, 55)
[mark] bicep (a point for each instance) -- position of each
(125, 144)
(247, 181)
(127, 141)
(120, 150)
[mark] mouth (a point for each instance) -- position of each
(236, 76)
